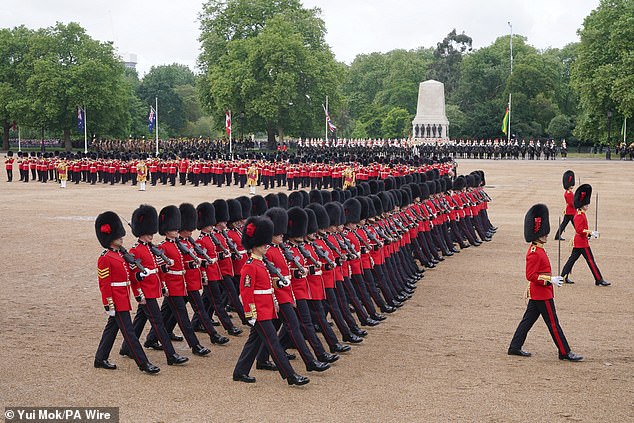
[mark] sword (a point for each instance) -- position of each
(596, 213)
(559, 251)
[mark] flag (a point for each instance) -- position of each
(623, 129)
(151, 119)
(505, 122)
(80, 119)
(331, 126)
(228, 122)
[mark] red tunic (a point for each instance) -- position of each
(300, 287)
(236, 237)
(275, 256)
(355, 265)
(315, 281)
(212, 269)
(150, 285)
(175, 277)
(193, 275)
(256, 290)
(581, 224)
(537, 263)
(114, 280)
(569, 197)
(226, 266)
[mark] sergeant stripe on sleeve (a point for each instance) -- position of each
(103, 273)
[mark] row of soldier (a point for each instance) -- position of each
(310, 254)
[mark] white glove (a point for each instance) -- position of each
(251, 322)
(111, 312)
(145, 273)
(595, 234)
(557, 280)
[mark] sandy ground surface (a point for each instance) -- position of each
(442, 357)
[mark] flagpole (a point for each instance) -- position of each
(19, 140)
(85, 132)
(230, 142)
(508, 135)
(156, 121)
(326, 118)
(625, 130)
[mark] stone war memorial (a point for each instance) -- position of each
(430, 124)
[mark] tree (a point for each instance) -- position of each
(397, 123)
(270, 60)
(448, 56)
(560, 127)
(603, 72)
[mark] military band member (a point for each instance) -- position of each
(252, 178)
(115, 278)
(259, 306)
(141, 172)
(570, 211)
(540, 288)
(62, 172)
(581, 244)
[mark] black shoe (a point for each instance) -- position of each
(396, 304)
(387, 309)
(352, 339)
(234, 331)
(370, 322)
(317, 366)
(297, 380)
(125, 353)
(155, 345)
(266, 365)
(104, 364)
(401, 299)
(378, 317)
(219, 339)
(521, 353)
(177, 359)
(201, 351)
(339, 348)
(244, 378)
(290, 356)
(175, 337)
(571, 357)
(149, 368)
(215, 322)
(359, 332)
(328, 358)
(440, 258)
(568, 280)
(602, 283)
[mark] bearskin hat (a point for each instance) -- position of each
(336, 195)
(374, 186)
(305, 198)
(458, 183)
(365, 208)
(377, 204)
(245, 203)
(10, 153)
(334, 213)
(431, 187)
(569, 179)
(364, 188)
(188, 217)
(536, 223)
(108, 227)
(315, 197)
(279, 217)
(352, 210)
(272, 200)
(407, 198)
(429, 175)
(169, 219)
(222, 210)
(235, 210)
(297, 223)
(312, 221)
(258, 205)
(257, 231)
(206, 215)
(353, 191)
(295, 199)
(282, 199)
(346, 195)
(326, 197)
(371, 209)
(385, 201)
(470, 180)
(582, 195)
(323, 221)
(144, 221)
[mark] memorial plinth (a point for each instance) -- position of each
(431, 123)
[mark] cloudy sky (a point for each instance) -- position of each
(166, 31)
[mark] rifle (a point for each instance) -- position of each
(321, 253)
(308, 255)
(596, 213)
(186, 250)
(160, 254)
(130, 259)
(288, 255)
(200, 251)
(559, 251)
(219, 246)
(352, 255)
(274, 271)
(332, 246)
(372, 238)
(236, 254)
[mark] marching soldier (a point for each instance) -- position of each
(540, 288)
(8, 164)
(569, 213)
(115, 278)
(259, 306)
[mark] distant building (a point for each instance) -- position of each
(129, 60)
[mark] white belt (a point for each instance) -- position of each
(213, 260)
(176, 272)
(242, 251)
(119, 283)
(151, 272)
(318, 273)
(263, 291)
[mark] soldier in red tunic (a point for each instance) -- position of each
(8, 164)
(259, 305)
(540, 288)
(115, 279)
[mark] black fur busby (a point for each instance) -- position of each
(408, 179)
(431, 187)
(415, 190)
(536, 223)
(188, 217)
(222, 210)
(346, 195)
(312, 221)
(235, 210)
(352, 210)
(326, 197)
(371, 209)
(282, 199)
(245, 203)
(397, 197)
(108, 227)
(477, 181)
(365, 209)
(582, 195)
(279, 217)
(206, 215)
(374, 186)
(353, 191)
(438, 186)
(470, 180)
(334, 213)
(377, 204)
(169, 219)
(258, 205)
(323, 221)
(424, 190)
(272, 200)
(295, 199)
(568, 179)
(364, 188)
(305, 198)
(144, 220)
(337, 195)
(314, 196)
(429, 175)
(385, 201)
(10, 153)
(258, 230)
(458, 183)
(381, 185)
(297, 223)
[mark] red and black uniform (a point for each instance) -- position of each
(115, 281)
(8, 164)
(569, 213)
(581, 247)
(227, 271)
(540, 294)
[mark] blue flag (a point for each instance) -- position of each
(80, 119)
(151, 119)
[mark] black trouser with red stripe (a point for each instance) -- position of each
(348, 295)
(263, 333)
(174, 311)
(306, 325)
(196, 301)
(545, 308)
(586, 252)
(150, 311)
(234, 300)
(121, 321)
(212, 299)
(318, 316)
